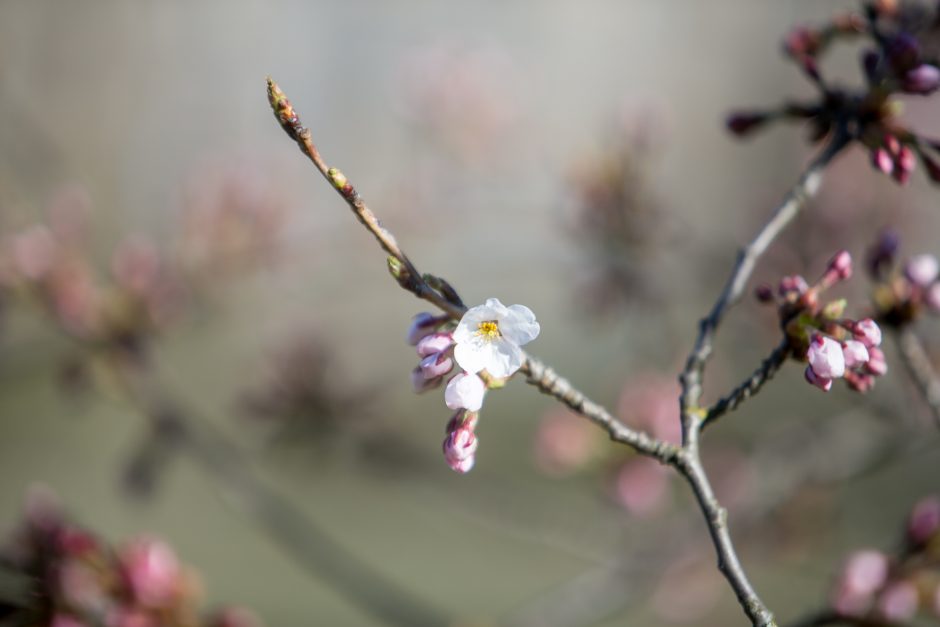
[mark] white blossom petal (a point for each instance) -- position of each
(504, 359)
(497, 308)
(471, 356)
(520, 326)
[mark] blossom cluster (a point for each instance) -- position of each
(486, 345)
(899, 58)
(77, 580)
(883, 589)
(902, 291)
(834, 346)
(143, 289)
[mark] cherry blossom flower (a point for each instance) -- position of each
(489, 337)
(922, 270)
(826, 357)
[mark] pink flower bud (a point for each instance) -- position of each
(860, 382)
(923, 80)
(867, 332)
(812, 378)
(151, 571)
(794, 284)
(642, 487)
(466, 391)
(922, 270)
(764, 293)
(863, 574)
(460, 448)
(434, 343)
(924, 522)
(421, 384)
(34, 252)
(881, 160)
(423, 324)
(825, 357)
(898, 603)
(904, 164)
(876, 363)
(841, 265)
(436, 365)
(932, 297)
(855, 353)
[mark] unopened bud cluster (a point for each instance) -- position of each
(79, 581)
(880, 589)
(486, 345)
(903, 291)
(897, 60)
(834, 347)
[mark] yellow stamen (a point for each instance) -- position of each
(489, 330)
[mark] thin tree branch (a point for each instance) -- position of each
(793, 202)
(918, 365)
(750, 386)
(684, 459)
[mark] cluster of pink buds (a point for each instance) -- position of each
(79, 581)
(899, 58)
(880, 589)
(834, 346)
(486, 344)
(903, 291)
(433, 339)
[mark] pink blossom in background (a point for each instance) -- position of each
(641, 486)
(863, 574)
(564, 442)
(152, 570)
(648, 401)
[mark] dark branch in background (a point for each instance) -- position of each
(685, 459)
(300, 537)
(918, 365)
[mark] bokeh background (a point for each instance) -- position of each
(475, 130)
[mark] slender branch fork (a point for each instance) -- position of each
(921, 370)
(685, 459)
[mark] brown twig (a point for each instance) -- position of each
(685, 459)
(921, 370)
(750, 386)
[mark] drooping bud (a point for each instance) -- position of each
(460, 446)
(465, 391)
(922, 270)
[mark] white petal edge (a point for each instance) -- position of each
(471, 357)
(504, 359)
(521, 326)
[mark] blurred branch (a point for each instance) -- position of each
(750, 386)
(918, 365)
(300, 537)
(685, 459)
